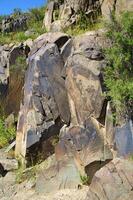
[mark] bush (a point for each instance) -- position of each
(84, 179)
(119, 73)
(83, 24)
(37, 14)
(35, 21)
(6, 134)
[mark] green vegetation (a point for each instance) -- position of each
(20, 64)
(34, 23)
(6, 134)
(84, 179)
(13, 37)
(119, 73)
(23, 174)
(84, 24)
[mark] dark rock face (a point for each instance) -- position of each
(83, 71)
(45, 96)
(63, 96)
(11, 79)
(9, 24)
(57, 80)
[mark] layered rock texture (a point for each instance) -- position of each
(11, 76)
(113, 182)
(60, 15)
(63, 14)
(64, 97)
(65, 123)
(10, 24)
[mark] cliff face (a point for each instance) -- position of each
(70, 11)
(64, 96)
(65, 119)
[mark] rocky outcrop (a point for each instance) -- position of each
(63, 96)
(117, 6)
(48, 19)
(77, 149)
(10, 24)
(8, 56)
(83, 78)
(60, 15)
(46, 100)
(12, 68)
(45, 97)
(7, 163)
(113, 182)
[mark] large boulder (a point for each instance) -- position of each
(45, 101)
(7, 163)
(113, 182)
(63, 174)
(84, 78)
(80, 153)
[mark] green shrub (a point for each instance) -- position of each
(6, 134)
(20, 64)
(35, 22)
(37, 14)
(84, 179)
(23, 174)
(84, 24)
(119, 72)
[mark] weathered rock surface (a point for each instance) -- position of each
(107, 6)
(76, 150)
(83, 78)
(45, 96)
(8, 56)
(9, 24)
(4, 66)
(113, 182)
(124, 139)
(7, 186)
(7, 163)
(63, 95)
(49, 15)
(68, 13)
(11, 76)
(62, 175)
